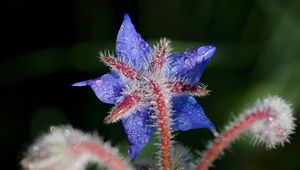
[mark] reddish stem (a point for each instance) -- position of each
(163, 126)
(226, 137)
(106, 157)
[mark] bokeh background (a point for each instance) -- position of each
(48, 45)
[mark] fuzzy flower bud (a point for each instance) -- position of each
(278, 123)
(65, 148)
(270, 120)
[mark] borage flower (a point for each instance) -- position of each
(152, 88)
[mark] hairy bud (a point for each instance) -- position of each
(276, 127)
(270, 120)
(65, 148)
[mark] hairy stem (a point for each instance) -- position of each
(163, 127)
(226, 137)
(107, 158)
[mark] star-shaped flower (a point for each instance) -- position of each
(146, 80)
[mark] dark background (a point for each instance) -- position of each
(48, 45)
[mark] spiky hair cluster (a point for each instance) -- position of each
(148, 84)
(151, 87)
(65, 148)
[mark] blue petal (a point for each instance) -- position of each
(108, 88)
(137, 130)
(130, 46)
(188, 114)
(188, 65)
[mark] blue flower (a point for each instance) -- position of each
(129, 87)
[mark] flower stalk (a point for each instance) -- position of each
(270, 120)
(226, 137)
(163, 121)
(107, 158)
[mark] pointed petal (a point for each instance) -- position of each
(108, 88)
(188, 65)
(130, 46)
(188, 114)
(137, 130)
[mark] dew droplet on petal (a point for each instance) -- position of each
(67, 132)
(98, 82)
(140, 123)
(52, 128)
(36, 148)
(134, 52)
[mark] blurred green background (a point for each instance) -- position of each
(48, 45)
